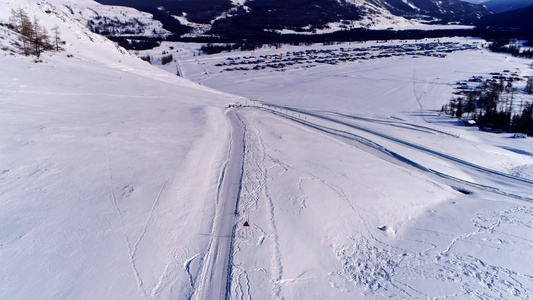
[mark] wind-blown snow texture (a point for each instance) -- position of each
(122, 181)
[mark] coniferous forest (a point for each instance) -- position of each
(494, 104)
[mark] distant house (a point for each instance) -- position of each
(520, 135)
(469, 122)
(231, 105)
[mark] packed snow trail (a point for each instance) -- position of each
(260, 239)
(213, 278)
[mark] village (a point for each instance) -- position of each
(481, 83)
(313, 57)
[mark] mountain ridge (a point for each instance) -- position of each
(225, 17)
(499, 6)
(517, 19)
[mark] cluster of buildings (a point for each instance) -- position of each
(313, 57)
(482, 83)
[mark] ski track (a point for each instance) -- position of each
(257, 163)
(208, 260)
(129, 247)
(276, 265)
(159, 284)
(400, 141)
(403, 124)
(210, 254)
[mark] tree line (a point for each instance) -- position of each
(505, 46)
(35, 39)
(492, 108)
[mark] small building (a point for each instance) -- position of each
(232, 105)
(469, 122)
(520, 135)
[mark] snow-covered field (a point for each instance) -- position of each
(355, 187)
(123, 181)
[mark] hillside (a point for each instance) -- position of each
(518, 19)
(245, 19)
(499, 6)
(101, 155)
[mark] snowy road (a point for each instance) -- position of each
(216, 268)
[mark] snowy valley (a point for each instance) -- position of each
(121, 180)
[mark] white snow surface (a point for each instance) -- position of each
(123, 181)
(109, 171)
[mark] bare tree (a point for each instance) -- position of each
(34, 37)
(40, 39)
(20, 23)
(57, 39)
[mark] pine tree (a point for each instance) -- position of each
(470, 105)
(459, 111)
(529, 85)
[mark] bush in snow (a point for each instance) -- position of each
(166, 59)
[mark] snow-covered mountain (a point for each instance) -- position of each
(499, 6)
(226, 18)
(444, 11)
(518, 19)
(115, 20)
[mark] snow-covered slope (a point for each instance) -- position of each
(499, 6)
(113, 20)
(109, 168)
(122, 181)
